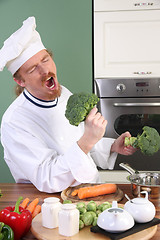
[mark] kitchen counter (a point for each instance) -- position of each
(11, 192)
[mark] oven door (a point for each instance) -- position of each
(131, 114)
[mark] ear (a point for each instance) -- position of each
(19, 82)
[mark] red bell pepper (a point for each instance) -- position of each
(18, 218)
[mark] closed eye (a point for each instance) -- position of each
(32, 69)
(45, 59)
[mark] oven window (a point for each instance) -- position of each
(135, 122)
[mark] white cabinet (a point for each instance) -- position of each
(118, 5)
(126, 43)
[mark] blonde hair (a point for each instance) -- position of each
(18, 89)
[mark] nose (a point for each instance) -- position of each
(43, 70)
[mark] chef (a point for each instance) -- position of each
(40, 146)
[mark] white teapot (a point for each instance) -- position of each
(115, 219)
(141, 209)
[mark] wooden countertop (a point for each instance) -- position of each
(11, 192)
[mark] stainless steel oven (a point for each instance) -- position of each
(128, 104)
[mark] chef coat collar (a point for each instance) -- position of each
(38, 102)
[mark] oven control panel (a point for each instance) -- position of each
(127, 87)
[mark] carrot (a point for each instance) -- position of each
(97, 190)
(75, 192)
(36, 210)
(25, 202)
(32, 205)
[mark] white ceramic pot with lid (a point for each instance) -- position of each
(115, 219)
(50, 210)
(68, 220)
(141, 209)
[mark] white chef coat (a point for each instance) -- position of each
(40, 146)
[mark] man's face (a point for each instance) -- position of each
(39, 76)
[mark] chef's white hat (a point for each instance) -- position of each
(20, 46)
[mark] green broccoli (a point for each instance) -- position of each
(78, 107)
(148, 142)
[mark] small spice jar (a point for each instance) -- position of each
(50, 209)
(68, 220)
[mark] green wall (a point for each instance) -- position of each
(66, 28)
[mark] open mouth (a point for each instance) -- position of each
(50, 83)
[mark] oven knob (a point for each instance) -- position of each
(121, 87)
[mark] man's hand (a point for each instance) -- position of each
(119, 147)
(95, 126)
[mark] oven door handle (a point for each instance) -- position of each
(155, 104)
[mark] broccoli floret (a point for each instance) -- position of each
(78, 107)
(131, 141)
(148, 142)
